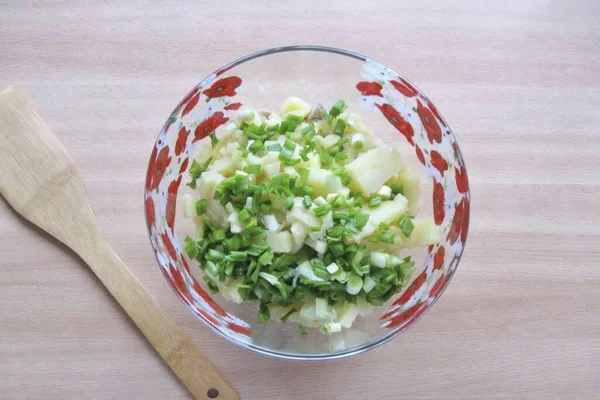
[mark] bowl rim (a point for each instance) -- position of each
(356, 349)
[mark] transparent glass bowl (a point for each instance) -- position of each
(399, 115)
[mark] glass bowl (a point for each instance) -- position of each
(399, 115)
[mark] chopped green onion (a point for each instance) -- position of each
(288, 314)
(218, 235)
(397, 189)
(337, 249)
(292, 122)
(307, 202)
(361, 220)
(375, 201)
(191, 248)
(322, 210)
(340, 125)
(289, 203)
(307, 129)
(338, 108)
(256, 146)
(341, 156)
(406, 225)
(320, 271)
(339, 202)
(326, 158)
(274, 147)
(307, 190)
(253, 169)
(289, 145)
(387, 238)
(286, 155)
(196, 171)
(215, 255)
(304, 172)
(303, 331)
(238, 256)
(201, 206)
(315, 229)
(213, 140)
(266, 258)
(244, 215)
(354, 285)
(263, 314)
(327, 117)
(337, 215)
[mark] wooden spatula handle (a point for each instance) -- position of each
(193, 369)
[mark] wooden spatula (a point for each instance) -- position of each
(39, 179)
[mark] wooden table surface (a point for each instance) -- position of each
(518, 81)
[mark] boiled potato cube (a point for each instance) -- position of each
(388, 212)
(207, 184)
(424, 234)
(411, 185)
(323, 181)
(372, 169)
(280, 242)
(292, 104)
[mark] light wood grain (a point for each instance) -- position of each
(40, 181)
(518, 82)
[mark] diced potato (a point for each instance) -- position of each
(207, 184)
(321, 308)
(356, 125)
(270, 222)
(277, 312)
(385, 192)
(323, 181)
(229, 289)
(321, 246)
(299, 214)
(249, 116)
(224, 166)
(280, 242)
(334, 327)
(329, 141)
(291, 171)
(372, 169)
(269, 158)
(203, 153)
(216, 213)
(364, 307)
(366, 231)
(388, 212)
(307, 312)
(299, 231)
(378, 259)
(189, 205)
(411, 186)
(234, 220)
(324, 127)
(272, 169)
(325, 225)
(306, 270)
(295, 104)
(313, 162)
(347, 314)
(425, 233)
(223, 141)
